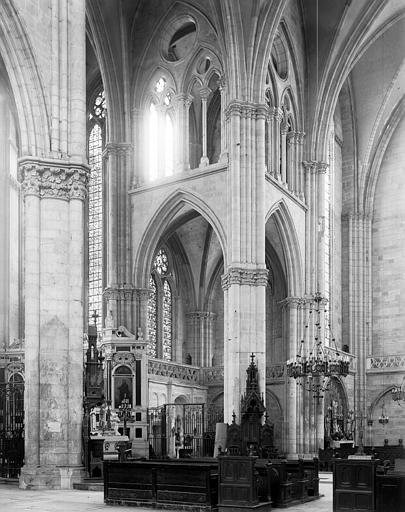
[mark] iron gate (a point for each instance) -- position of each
(180, 430)
(11, 429)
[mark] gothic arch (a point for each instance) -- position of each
(291, 247)
(337, 72)
(370, 180)
(26, 84)
(147, 94)
(159, 223)
(114, 88)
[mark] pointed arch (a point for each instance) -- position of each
(371, 178)
(159, 223)
(291, 247)
(26, 84)
(339, 68)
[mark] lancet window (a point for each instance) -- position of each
(160, 132)
(95, 228)
(160, 308)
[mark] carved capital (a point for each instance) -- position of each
(309, 167)
(243, 276)
(182, 100)
(53, 179)
(321, 167)
(246, 110)
(292, 302)
(143, 294)
(201, 315)
(122, 292)
(276, 113)
(205, 92)
(117, 149)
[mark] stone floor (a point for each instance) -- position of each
(13, 499)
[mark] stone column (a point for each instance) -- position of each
(204, 94)
(290, 161)
(5, 221)
(54, 193)
(283, 150)
(139, 168)
(224, 134)
(276, 116)
(202, 327)
(292, 337)
(117, 158)
(299, 166)
(359, 232)
(182, 104)
(245, 278)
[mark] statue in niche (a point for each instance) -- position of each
(109, 320)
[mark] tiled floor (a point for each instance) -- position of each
(13, 499)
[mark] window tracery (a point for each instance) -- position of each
(95, 222)
(160, 157)
(160, 308)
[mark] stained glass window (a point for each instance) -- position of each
(167, 322)
(96, 211)
(152, 317)
(161, 262)
(160, 308)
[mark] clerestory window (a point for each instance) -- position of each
(160, 132)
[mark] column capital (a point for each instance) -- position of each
(205, 92)
(55, 179)
(246, 110)
(182, 99)
(143, 293)
(244, 276)
(292, 302)
(309, 167)
(276, 113)
(222, 83)
(117, 148)
(208, 315)
(119, 292)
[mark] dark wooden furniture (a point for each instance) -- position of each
(292, 481)
(162, 484)
(251, 437)
(238, 481)
(390, 492)
(354, 485)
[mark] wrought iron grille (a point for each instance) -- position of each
(183, 430)
(11, 429)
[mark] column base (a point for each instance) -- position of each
(50, 477)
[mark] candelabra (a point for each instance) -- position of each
(315, 362)
(125, 412)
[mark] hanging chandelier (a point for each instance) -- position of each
(398, 392)
(315, 361)
(383, 419)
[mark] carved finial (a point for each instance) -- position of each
(139, 334)
(233, 418)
